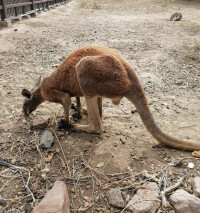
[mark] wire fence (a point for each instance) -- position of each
(10, 9)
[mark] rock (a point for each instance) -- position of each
(115, 198)
(146, 200)
(39, 123)
(55, 201)
(55, 65)
(5, 23)
(191, 165)
(122, 141)
(46, 139)
(176, 17)
(26, 16)
(196, 186)
(184, 202)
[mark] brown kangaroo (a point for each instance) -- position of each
(96, 73)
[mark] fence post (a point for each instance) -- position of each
(48, 4)
(32, 5)
(4, 13)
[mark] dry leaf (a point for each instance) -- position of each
(86, 198)
(44, 176)
(99, 165)
(196, 154)
(86, 204)
(45, 170)
(81, 209)
(98, 182)
(48, 159)
(75, 196)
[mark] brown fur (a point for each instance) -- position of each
(96, 73)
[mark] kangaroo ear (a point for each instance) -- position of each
(27, 93)
(38, 83)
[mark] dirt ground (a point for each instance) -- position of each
(166, 56)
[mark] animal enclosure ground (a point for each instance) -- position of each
(166, 56)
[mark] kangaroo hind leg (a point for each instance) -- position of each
(95, 125)
(81, 110)
(99, 101)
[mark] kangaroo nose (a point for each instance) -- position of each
(25, 112)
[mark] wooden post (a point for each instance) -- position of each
(4, 13)
(43, 6)
(15, 11)
(32, 5)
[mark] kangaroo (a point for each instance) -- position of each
(34, 98)
(96, 73)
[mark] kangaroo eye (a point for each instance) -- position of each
(25, 104)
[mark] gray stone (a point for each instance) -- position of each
(17, 18)
(26, 16)
(196, 186)
(146, 200)
(115, 198)
(6, 23)
(184, 202)
(176, 17)
(34, 14)
(46, 139)
(55, 201)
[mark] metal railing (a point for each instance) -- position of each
(10, 9)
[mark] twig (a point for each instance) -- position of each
(14, 200)
(41, 156)
(174, 187)
(126, 207)
(139, 201)
(117, 174)
(94, 170)
(60, 148)
(62, 152)
(11, 166)
(6, 183)
(169, 190)
(93, 184)
(111, 156)
(179, 161)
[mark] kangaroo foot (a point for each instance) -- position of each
(85, 128)
(62, 124)
(76, 116)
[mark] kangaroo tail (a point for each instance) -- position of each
(142, 107)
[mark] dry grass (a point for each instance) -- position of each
(106, 4)
(96, 6)
(119, 5)
(93, 5)
(192, 49)
(83, 5)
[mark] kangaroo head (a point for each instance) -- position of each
(32, 98)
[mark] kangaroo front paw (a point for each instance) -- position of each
(62, 124)
(73, 106)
